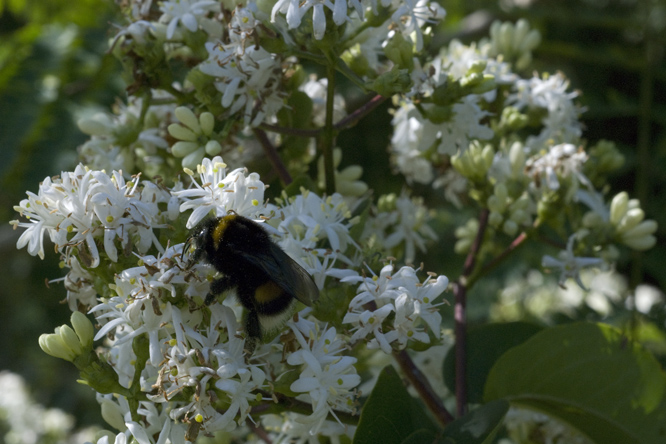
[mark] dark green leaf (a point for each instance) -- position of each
(477, 427)
(390, 415)
(590, 376)
(484, 346)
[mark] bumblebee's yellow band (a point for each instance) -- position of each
(220, 228)
(267, 292)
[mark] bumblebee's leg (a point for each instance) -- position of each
(253, 330)
(217, 287)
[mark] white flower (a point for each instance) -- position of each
(561, 123)
(294, 12)
(326, 377)
(410, 227)
(569, 265)
(564, 160)
(186, 12)
(411, 15)
(249, 80)
(308, 218)
(219, 192)
(415, 137)
(400, 293)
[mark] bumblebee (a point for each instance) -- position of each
(267, 281)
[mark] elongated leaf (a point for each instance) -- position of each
(590, 376)
(390, 415)
(478, 427)
(484, 346)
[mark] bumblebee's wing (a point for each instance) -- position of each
(285, 272)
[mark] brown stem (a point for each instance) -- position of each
(517, 242)
(423, 387)
(273, 156)
(353, 118)
(300, 132)
(460, 316)
(259, 431)
(347, 122)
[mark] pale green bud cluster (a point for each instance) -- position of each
(517, 159)
(348, 181)
(604, 158)
(475, 81)
(506, 212)
(466, 235)
(631, 229)
(400, 51)
(474, 162)
(512, 120)
(392, 82)
(195, 137)
(514, 42)
(67, 343)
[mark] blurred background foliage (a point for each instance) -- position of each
(54, 68)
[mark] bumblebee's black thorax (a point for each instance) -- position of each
(229, 237)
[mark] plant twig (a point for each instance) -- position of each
(353, 118)
(273, 156)
(423, 387)
(460, 293)
(327, 137)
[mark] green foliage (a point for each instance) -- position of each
(478, 427)
(589, 375)
(405, 422)
(485, 345)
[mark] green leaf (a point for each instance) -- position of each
(590, 376)
(478, 427)
(484, 347)
(391, 415)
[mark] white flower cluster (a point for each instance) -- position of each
(80, 207)
(400, 224)
(403, 295)
(191, 362)
(122, 139)
(408, 16)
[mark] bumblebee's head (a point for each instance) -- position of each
(194, 246)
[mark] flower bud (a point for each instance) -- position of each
(83, 328)
(182, 133)
(53, 344)
(400, 51)
(618, 207)
(207, 121)
(187, 118)
(182, 149)
(213, 147)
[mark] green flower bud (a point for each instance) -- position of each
(618, 207)
(213, 148)
(182, 133)
(400, 51)
(187, 118)
(53, 344)
(631, 218)
(392, 82)
(194, 158)
(487, 83)
(510, 227)
(84, 329)
(495, 218)
(387, 202)
(182, 149)
(70, 339)
(207, 121)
